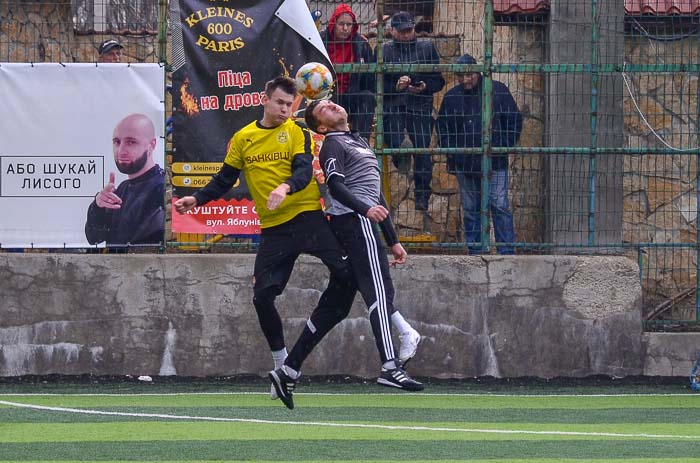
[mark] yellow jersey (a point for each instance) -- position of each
(265, 157)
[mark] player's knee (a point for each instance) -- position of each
(264, 299)
(343, 286)
(343, 281)
(343, 309)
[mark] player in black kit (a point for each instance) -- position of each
(353, 179)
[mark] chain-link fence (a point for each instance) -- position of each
(501, 126)
(70, 31)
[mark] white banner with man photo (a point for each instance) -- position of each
(81, 155)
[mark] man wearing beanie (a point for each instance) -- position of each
(459, 126)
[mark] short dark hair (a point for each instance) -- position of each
(309, 118)
(285, 83)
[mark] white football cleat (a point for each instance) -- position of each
(409, 341)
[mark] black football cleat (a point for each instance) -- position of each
(398, 378)
(284, 386)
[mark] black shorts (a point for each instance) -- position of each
(307, 233)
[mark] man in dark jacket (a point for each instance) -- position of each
(408, 101)
(133, 212)
(459, 126)
(354, 91)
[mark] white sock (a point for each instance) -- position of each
(390, 365)
(291, 372)
(279, 356)
(400, 323)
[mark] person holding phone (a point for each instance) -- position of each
(408, 102)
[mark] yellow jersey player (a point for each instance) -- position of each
(275, 154)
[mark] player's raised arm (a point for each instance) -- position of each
(219, 184)
(185, 204)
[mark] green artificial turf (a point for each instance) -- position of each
(337, 422)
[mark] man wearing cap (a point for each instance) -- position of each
(408, 101)
(110, 51)
(459, 126)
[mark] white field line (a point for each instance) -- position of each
(346, 425)
(321, 394)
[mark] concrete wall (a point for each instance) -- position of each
(670, 354)
(572, 105)
(192, 315)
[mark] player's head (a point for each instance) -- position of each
(323, 116)
(284, 83)
(277, 100)
(110, 51)
(133, 143)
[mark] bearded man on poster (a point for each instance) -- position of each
(133, 212)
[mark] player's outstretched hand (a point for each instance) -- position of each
(185, 203)
(399, 253)
(377, 213)
(106, 198)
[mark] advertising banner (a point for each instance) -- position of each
(81, 155)
(225, 54)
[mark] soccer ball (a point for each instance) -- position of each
(314, 81)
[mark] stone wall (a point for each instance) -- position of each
(43, 32)
(660, 202)
(192, 315)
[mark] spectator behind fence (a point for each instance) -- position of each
(408, 102)
(110, 51)
(133, 212)
(354, 91)
(459, 126)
